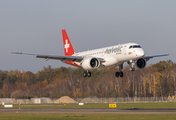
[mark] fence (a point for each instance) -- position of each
(123, 100)
(88, 100)
(7, 100)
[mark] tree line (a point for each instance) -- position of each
(157, 80)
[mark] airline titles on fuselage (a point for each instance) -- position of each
(113, 50)
(110, 50)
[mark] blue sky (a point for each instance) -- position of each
(34, 26)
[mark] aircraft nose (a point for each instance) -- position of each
(140, 53)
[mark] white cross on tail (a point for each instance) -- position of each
(66, 45)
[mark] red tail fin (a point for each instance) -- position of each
(68, 49)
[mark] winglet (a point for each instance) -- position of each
(68, 49)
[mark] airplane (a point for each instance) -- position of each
(107, 57)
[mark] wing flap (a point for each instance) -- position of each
(62, 58)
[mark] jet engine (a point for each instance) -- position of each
(90, 63)
(137, 64)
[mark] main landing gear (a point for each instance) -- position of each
(87, 74)
(117, 74)
(120, 73)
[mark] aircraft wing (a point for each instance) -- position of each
(56, 57)
(149, 57)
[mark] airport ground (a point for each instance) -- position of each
(137, 111)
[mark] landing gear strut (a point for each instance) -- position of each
(132, 64)
(87, 74)
(120, 73)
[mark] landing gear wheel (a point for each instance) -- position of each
(133, 69)
(89, 74)
(117, 74)
(121, 74)
(85, 74)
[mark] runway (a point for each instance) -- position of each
(91, 111)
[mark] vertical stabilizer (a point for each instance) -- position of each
(68, 49)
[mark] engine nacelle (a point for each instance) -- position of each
(90, 63)
(138, 64)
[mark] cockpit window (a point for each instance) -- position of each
(130, 47)
(135, 46)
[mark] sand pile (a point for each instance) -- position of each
(65, 99)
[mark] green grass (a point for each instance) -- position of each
(161, 105)
(85, 117)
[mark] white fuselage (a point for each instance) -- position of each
(114, 55)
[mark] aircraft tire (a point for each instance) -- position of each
(121, 74)
(85, 74)
(89, 74)
(117, 74)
